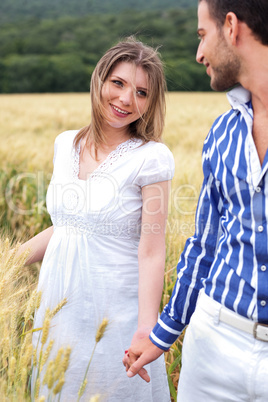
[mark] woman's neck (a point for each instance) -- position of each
(114, 137)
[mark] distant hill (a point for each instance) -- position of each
(12, 10)
(54, 45)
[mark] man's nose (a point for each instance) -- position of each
(199, 54)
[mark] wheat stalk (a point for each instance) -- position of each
(99, 335)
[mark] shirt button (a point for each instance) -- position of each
(258, 189)
(263, 268)
(263, 303)
(260, 228)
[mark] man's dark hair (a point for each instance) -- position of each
(253, 12)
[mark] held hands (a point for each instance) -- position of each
(140, 353)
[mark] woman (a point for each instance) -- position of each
(105, 253)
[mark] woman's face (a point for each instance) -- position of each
(125, 94)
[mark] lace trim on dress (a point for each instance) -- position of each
(81, 225)
(106, 166)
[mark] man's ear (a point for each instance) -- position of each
(231, 27)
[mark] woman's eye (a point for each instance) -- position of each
(117, 82)
(142, 93)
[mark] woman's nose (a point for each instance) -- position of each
(126, 97)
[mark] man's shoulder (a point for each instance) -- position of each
(220, 130)
(223, 123)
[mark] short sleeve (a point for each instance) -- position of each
(158, 165)
(63, 147)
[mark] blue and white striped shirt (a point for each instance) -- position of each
(228, 254)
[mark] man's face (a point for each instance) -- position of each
(215, 53)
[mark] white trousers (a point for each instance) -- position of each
(221, 363)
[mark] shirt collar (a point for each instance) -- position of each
(238, 96)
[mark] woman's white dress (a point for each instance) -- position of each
(92, 261)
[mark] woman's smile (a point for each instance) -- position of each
(119, 112)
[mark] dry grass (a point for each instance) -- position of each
(189, 118)
(29, 125)
(16, 307)
(19, 358)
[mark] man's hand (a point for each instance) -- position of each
(138, 355)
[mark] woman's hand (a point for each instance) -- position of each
(140, 334)
(138, 355)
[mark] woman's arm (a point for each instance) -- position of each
(37, 246)
(151, 255)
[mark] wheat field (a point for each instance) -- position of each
(29, 125)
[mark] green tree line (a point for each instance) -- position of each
(59, 54)
(14, 10)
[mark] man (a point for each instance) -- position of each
(225, 264)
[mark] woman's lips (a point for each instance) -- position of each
(119, 112)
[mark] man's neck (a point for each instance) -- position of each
(254, 76)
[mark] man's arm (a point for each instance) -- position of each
(195, 261)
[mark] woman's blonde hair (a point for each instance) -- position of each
(150, 125)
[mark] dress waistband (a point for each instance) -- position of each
(125, 230)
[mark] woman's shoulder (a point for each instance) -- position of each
(66, 136)
(157, 154)
(63, 145)
(156, 145)
(156, 164)
(153, 148)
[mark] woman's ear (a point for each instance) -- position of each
(231, 27)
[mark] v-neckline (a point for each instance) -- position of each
(121, 148)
